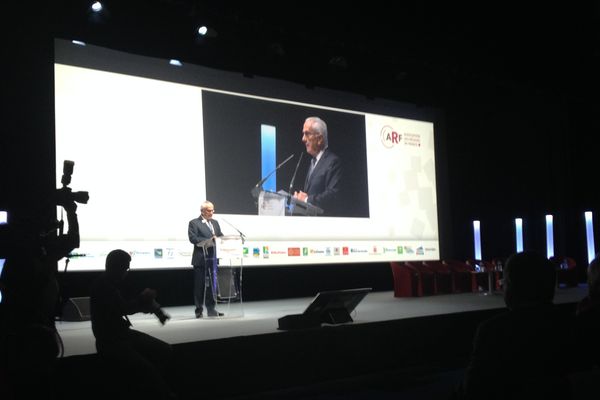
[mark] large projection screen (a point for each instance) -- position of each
(151, 141)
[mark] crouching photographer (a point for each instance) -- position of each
(143, 358)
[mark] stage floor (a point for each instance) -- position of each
(261, 317)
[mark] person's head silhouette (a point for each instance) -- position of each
(117, 264)
(529, 280)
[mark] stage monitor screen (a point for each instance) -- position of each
(335, 300)
(151, 141)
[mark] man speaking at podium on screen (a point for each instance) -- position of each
(202, 232)
(323, 179)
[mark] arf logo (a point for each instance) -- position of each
(389, 137)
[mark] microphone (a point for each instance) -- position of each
(238, 231)
(256, 189)
(294, 176)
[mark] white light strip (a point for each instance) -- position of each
(589, 233)
(549, 236)
(78, 42)
(477, 239)
(3, 217)
(519, 234)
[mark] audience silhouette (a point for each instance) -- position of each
(138, 363)
(588, 314)
(528, 350)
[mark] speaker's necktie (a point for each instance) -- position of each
(311, 169)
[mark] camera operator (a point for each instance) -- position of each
(29, 342)
(144, 359)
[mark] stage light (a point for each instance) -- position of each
(549, 236)
(174, 62)
(589, 233)
(1, 268)
(3, 220)
(205, 31)
(97, 7)
(477, 239)
(78, 42)
(519, 234)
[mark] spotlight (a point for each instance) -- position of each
(175, 62)
(97, 6)
(205, 31)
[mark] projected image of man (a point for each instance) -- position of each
(323, 178)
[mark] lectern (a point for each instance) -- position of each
(229, 283)
(282, 203)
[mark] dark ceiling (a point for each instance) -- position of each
(418, 51)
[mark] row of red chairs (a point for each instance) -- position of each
(423, 278)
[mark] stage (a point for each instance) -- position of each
(261, 317)
(247, 347)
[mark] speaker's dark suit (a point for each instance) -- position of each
(204, 263)
(324, 183)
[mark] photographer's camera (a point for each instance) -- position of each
(65, 197)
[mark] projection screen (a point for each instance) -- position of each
(151, 141)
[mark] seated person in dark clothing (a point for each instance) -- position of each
(144, 359)
(527, 351)
(588, 314)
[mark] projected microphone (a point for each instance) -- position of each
(294, 177)
(238, 231)
(257, 188)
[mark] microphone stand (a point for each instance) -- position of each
(238, 231)
(257, 188)
(293, 179)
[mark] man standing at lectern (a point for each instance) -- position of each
(323, 179)
(202, 232)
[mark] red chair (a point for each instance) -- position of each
(410, 281)
(444, 278)
(463, 275)
(566, 271)
(482, 270)
(405, 280)
(426, 284)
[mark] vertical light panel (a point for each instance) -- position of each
(477, 239)
(1, 268)
(589, 234)
(519, 234)
(268, 158)
(549, 236)
(3, 220)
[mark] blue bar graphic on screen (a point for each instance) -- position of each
(268, 159)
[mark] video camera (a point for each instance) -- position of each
(64, 195)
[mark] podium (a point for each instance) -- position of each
(281, 203)
(229, 275)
